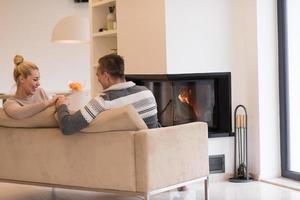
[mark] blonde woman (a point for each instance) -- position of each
(29, 99)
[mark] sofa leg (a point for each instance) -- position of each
(53, 195)
(146, 196)
(206, 188)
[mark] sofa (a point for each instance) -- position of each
(116, 153)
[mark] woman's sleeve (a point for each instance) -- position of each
(16, 111)
(43, 94)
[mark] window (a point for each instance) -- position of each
(289, 80)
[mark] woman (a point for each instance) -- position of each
(29, 99)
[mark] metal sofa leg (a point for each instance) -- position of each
(53, 195)
(146, 196)
(206, 188)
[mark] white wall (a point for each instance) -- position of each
(246, 72)
(134, 33)
(268, 89)
(218, 36)
(199, 35)
(26, 27)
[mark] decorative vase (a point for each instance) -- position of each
(111, 18)
(78, 99)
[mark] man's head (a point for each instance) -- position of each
(110, 70)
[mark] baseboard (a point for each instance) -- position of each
(283, 182)
(254, 176)
(220, 177)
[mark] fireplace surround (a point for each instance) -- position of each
(184, 98)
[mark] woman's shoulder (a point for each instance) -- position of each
(9, 102)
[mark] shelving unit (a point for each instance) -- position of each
(98, 3)
(102, 43)
(139, 37)
(109, 33)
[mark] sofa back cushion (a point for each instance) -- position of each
(43, 119)
(119, 119)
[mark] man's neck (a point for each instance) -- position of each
(117, 81)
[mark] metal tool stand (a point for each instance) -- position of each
(241, 173)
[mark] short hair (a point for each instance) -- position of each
(113, 64)
(22, 68)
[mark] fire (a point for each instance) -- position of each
(185, 96)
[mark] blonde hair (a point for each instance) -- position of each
(22, 68)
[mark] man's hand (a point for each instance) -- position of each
(62, 100)
(52, 101)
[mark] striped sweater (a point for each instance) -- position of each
(118, 95)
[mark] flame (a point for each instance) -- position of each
(185, 96)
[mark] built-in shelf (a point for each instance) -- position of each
(102, 3)
(109, 33)
(104, 42)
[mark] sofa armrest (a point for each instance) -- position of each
(171, 155)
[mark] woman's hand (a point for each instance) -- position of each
(62, 100)
(52, 102)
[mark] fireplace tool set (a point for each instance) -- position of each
(240, 144)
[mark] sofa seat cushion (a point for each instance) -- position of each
(43, 119)
(119, 119)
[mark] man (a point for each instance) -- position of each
(117, 92)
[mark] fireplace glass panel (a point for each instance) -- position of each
(184, 98)
(193, 101)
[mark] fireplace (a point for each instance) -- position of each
(183, 98)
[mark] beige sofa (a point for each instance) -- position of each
(117, 153)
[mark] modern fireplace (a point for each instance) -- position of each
(183, 98)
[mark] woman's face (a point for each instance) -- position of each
(31, 83)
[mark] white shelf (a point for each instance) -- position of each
(100, 3)
(103, 42)
(110, 33)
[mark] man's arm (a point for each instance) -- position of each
(68, 123)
